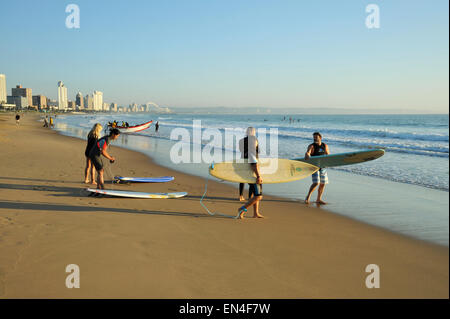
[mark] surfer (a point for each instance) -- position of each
(249, 145)
(320, 177)
(156, 127)
(92, 138)
(98, 150)
(243, 148)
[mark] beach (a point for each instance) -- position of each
(171, 248)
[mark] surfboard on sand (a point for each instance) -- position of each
(272, 170)
(111, 192)
(341, 159)
(162, 179)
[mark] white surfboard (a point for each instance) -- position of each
(117, 193)
(162, 179)
(272, 170)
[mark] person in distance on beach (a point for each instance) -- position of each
(92, 138)
(99, 149)
(17, 119)
(320, 177)
(250, 145)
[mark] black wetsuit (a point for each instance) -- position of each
(91, 140)
(95, 154)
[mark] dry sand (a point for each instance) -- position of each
(157, 248)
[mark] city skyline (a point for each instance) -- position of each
(209, 54)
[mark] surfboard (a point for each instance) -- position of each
(341, 159)
(111, 192)
(162, 179)
(272, 170)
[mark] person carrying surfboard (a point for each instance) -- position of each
(99, 149)
(320, 177)
(250, 145)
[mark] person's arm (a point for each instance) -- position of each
(308, 152)
(105, 154)
(327, 150)
(255, 168)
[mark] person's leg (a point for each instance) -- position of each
(251, 191)
(320, 193)
(311, 189)
(86, 170)
(256, 213)
(315, 181)
(241, 192)
(323, 182)
(100, 182)
(93, 175)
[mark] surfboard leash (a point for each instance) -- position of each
(206, 208)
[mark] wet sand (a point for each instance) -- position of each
(159, 248)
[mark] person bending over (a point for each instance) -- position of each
(99, 149)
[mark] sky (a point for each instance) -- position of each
(210, 53)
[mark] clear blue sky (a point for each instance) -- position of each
(233, 53)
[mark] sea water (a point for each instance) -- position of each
(405, 191)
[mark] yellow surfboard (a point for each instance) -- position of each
(272, 170)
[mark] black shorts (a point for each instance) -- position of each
(97, 162)
(255, 189)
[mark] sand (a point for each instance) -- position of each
(159, 248)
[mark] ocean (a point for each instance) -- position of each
(405, 191)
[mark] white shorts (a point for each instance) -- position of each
(320, 176)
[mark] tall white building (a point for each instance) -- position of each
(62, 96)
(3, 97)
(98, 101)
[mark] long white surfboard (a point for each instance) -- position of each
(111, 192)
(272, 170)
(341, 159)
(162, 179)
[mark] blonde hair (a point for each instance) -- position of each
(96, 130)
(251, 131)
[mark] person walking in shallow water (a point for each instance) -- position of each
(92, 138)
(320, 177)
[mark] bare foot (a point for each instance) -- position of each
(321, 202)
(94, 183)
(86, 181)
(306, 200)
(241, 199)
(258, 216)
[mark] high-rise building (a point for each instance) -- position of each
(113, 107)
(21, 102)
(88, 102)
(24, 92)
(3, 98)
(98, 101)
(71, 105)
(79, 100)
(40, 101)
(62, 96)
